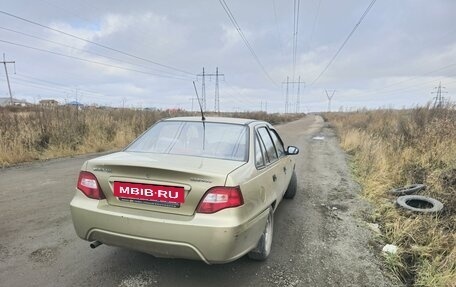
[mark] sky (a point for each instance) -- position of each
(148, 53)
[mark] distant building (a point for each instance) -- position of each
(75, 104)
(18, 103)
(49, 103)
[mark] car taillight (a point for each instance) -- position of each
(220, 197)
(88, 184)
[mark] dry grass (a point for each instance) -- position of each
(38, 133)
(395, 148)
(28, 134)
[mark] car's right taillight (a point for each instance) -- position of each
(88, 184)
(220, 197)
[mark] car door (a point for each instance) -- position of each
(285, 162)
(273, 176)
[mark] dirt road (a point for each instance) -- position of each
(319, 237)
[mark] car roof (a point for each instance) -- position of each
(216, 120)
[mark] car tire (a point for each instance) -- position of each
(263, 248)
(292, 187)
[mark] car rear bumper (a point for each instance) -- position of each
(213, 238)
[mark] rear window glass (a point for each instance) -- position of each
(215, 140)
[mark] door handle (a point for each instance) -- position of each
(274, 178)
(285, 170)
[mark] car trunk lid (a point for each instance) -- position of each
(193, 175)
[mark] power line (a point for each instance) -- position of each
(39, 86)
(51, 85)
(241, 98)
(295, 33)
(244, 39)
(414, 86)
(94, 43)
(139, 29)
(50, 82)
(7, 78)
(411, 79)
(345, 42)
(279, 38)
(315, 21)
(49, 3)
(85, 51)
(53, 90)
(90, 61)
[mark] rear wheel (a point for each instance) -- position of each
(263, 248)
(292, 187)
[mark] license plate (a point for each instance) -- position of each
(149, 192)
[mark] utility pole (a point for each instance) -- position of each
(286, 96)
(217, 89)
(123, 102)
(264, 106)
(298, 97)
(77, 103)
(7, 78)
(203, 91)
(193, 99)
(438, 99)
(329, 98)
(217, 95)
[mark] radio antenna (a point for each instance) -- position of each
(199, 102)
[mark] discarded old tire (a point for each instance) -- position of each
(409, 189)
(419, 203)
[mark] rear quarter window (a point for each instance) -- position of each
(277, 142)
(259, 158)
(269, 145)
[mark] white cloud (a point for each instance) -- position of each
(398, 43)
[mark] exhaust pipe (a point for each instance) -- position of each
(95, 244)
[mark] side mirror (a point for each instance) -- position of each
(292, 150)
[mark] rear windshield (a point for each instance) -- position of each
(214, 140)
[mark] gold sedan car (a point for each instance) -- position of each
(188, 188)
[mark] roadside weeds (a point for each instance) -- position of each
(390, 149)
(40, 133)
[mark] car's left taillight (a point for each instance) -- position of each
(88, 184)
(220, 197)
